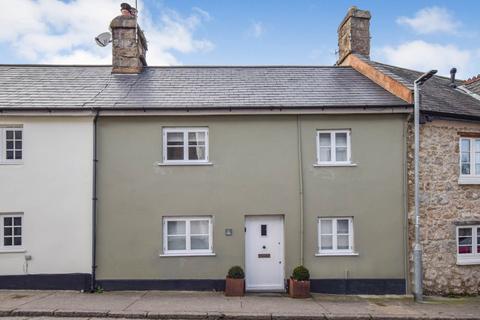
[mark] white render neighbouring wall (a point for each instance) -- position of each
(53, 190)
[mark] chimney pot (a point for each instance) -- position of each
(453, 72)
(354, 34)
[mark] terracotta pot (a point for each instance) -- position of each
(299, 289)
(234, 287)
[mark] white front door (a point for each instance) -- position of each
(264, 256)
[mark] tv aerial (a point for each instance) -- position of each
(103, 39)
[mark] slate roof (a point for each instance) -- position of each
(473, 84)
(436, 94)
(79, 87)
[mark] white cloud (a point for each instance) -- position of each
(322, 56)
(256, 30)
(52, 31)
(431, 20)
(423, 56)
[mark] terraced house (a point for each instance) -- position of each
(165, 177)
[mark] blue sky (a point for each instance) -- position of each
(414, 34)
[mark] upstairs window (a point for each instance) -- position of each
(470, 160)
(468, 244)
(185, 145)
(11, 144)
(333, 147)
(11, 231)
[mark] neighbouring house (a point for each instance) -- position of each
(449, 166)
(45, 181)
(197, 169)
(473, 84)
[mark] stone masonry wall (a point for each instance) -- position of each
(443, 202)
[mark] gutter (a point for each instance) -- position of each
(94, 205)
(360, 108)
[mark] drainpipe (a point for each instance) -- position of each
(300, 185)
(417, 249)
(94, 205)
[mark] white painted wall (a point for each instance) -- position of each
(53, 189)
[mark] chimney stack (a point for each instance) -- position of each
(354, 34)
(129, 45)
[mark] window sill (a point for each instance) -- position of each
(184, 163)
(468, 262)
(19, 250)
(337, 254)
(11, 163)
(334, 165)
(212, 254)
(469, 180)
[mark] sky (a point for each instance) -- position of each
(419, 34)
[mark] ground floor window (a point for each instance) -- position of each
(11, 231)
(335, 235)
(468, 244)
(187, 235)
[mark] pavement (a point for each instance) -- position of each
(23, 305)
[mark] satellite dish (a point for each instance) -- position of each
(103, 39)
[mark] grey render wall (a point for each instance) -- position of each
(255, 171)
(371, 193)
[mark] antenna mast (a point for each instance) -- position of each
(136, 23)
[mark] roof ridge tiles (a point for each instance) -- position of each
(180, 66)
(472, 79)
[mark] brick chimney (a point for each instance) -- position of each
(128, 51)
(354, 34)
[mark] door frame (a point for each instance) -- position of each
(282, 218)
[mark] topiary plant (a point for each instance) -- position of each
(236, 272)
(301, 273)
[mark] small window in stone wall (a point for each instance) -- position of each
(468, 244)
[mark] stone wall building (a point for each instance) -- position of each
(445, 206)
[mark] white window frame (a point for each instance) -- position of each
(3, 144)
(185, 132)
(13, 247)
(335, 251)
(468, 258)
(188, 251)
(473, 177)
(333, 153)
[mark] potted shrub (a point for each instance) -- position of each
(235, 282)
(299, 283)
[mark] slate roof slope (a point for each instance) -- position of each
(77, 87)
(473, 84)
(436, 94)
